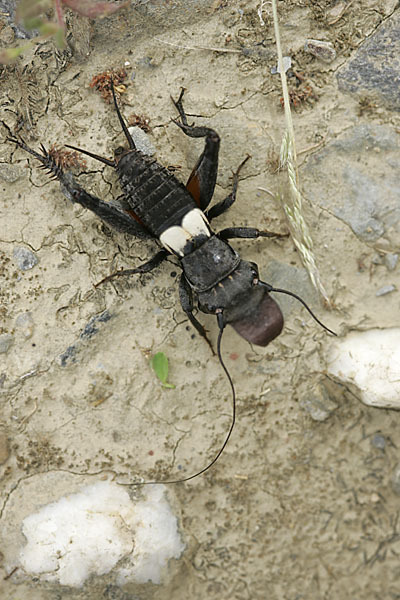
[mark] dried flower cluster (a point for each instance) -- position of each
(139, 121)
(102, 83)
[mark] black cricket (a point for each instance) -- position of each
(157, 206)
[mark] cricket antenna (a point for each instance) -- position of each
(106, 161)
(270, 288)
(121, 120)
(233, 419)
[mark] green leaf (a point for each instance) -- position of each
(27, 9)
(159, 363)
(10, 54)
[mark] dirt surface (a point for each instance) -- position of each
(296, 507)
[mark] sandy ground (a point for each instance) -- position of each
(295, 508)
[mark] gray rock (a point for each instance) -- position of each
(318, 404)
(6, 340)
(25, 258)
(396, 480)
(24, 322)
(391, 261)
(376, 65)
(386, 289)
(379, 441)
(10, 173)
(320, 49)
(359, 171)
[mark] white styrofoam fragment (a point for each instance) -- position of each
(371, 361)
(89, 532)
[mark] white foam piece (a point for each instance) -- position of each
(174, 239)
(89, 532)
(371, 361)
(195, 223)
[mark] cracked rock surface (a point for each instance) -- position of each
(302, 502)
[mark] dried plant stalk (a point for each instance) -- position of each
(292, 203)
(293, 206)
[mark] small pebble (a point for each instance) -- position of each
(318, 404)
(333, 14)
(323, 50)
(24, 322)
(391, 261)
(386, 289)
(377, 259)
(6, 341)
(379, 441)
(10, 173)
(396, 480)
(7, 35)
(25, 259)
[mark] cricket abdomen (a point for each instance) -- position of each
(154, 194)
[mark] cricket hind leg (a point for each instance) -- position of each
(111, 214)
(201, 183)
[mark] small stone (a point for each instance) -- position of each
(220, 101)
(333, 14)
(391, 261)
(379, 441)
(320, 49)
(386, 289)
(318, 404)
(24, 322)
(6, 340)
(377, 259)
(91, 328)
(396, 480)
(25, 259)
(10, 173)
